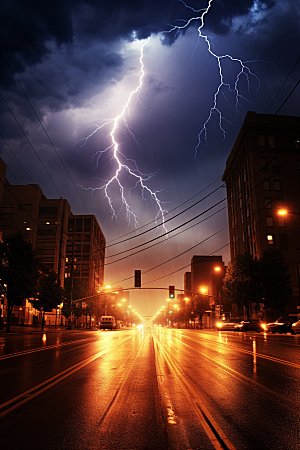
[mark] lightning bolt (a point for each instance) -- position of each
(243, 71)
(128, 167)
(123, 163)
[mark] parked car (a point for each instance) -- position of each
(296, 327)
(225, 325)
(279, 327)
(250, 325)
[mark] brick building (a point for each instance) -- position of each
(86, 249)
(262, 175)
(55, 233)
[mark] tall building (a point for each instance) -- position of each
(86, 250)
(43, 221)
(55, 233)
(262, 176)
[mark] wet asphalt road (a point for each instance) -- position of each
(149, 389)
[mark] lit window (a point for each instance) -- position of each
(297, 143)
(270, 239)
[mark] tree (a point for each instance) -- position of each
(242, 283)
(276, 280)
(75, 289)
(18, 271)
(50, 294)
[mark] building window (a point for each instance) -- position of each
(24, 207)
(247, 193)
(266, 185)
(270, 222)
(254, 228)
(87, 224)
(268, 203)
(79, 223)
(275, 162)
(283, 242)
(271, 141)
(262, 140)
(264, 164)
(281, 222)
(277, 185)
(297, 143)
(71, 225)
(270, 239)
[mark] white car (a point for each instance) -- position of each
(296, 327)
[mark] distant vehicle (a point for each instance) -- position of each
(250, 325)
(225, 325)
(279, 327)
(296, 327)
(108, 323)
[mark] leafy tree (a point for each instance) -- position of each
(276, 280)
(50, 294)
(18, 271)
(242, 283)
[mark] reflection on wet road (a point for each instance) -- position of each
(157, 388)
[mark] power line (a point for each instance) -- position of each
(40, 122)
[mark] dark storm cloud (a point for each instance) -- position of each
(32, 30)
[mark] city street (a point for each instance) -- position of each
(156, 388)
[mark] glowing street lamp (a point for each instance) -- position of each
(282, 212)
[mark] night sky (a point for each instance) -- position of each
(136, 161)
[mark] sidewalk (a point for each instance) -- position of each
(25, 329)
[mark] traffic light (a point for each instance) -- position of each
(137, 278)
(171, 291)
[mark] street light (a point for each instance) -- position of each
(284, 212)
